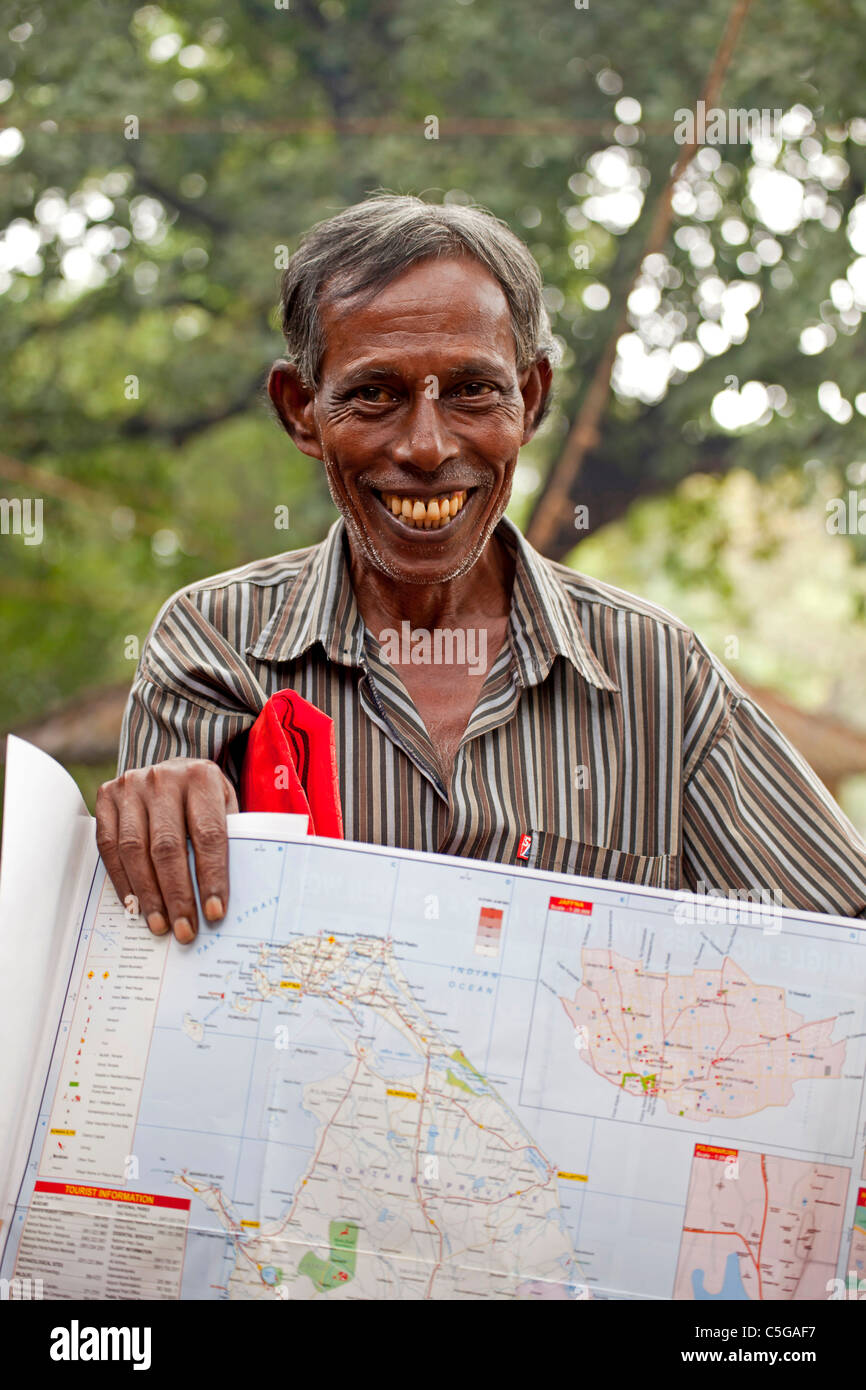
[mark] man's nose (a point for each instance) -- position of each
(425, 442)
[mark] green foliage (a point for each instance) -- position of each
(138, 338)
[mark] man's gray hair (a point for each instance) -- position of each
(366, 246)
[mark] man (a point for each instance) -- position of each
(600, 738)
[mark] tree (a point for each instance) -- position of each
(160, 161)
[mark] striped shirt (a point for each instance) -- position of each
(606, 739)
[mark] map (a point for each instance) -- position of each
(411, 1140)
(760, 1227)
(390, 1075)
(711, 1045)
(853, 1284)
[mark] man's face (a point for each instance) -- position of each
(418, 416)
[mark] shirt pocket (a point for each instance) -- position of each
(556, 854)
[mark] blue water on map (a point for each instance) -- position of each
(732, 1286)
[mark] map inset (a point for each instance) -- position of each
(711, 1045)
(760, 1227)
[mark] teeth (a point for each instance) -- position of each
(427, 516)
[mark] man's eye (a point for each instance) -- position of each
(374, 395)
(473, 389)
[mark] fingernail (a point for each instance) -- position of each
(213, 909)
(183, 930)
(157, 923)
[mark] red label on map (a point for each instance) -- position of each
(711, 1151)
(113, 1194)
(570, 905)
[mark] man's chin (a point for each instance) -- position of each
(416, 556)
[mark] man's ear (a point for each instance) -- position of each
(293, 402)
(535, 384)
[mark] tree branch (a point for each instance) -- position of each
(187, 207)
(607, 489)
(179, 431)
(585, 432)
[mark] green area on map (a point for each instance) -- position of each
(339, 1268)
(455, 1081)
(460, 1056)
(649, 1083)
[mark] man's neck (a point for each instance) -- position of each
(475, 599)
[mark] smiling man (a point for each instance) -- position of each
(596, 735)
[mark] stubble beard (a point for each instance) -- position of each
(363, 543)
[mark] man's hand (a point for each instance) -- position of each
(143, 819)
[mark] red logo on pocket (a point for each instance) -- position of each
(524, 848)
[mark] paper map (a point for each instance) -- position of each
(393, 1076)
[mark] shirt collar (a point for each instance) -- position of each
(320, 607)
(544, 621)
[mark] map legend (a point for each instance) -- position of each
(489, 931)
(103, 1243)
(93, 1117)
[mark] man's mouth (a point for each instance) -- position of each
(423, 514)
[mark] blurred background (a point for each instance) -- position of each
(707, 448)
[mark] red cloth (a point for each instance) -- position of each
(291, 764)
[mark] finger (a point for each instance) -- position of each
(133, 841)
(206, 805)
(168, 853)
(106, 843)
